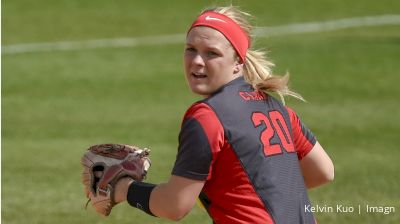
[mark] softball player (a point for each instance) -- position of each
(244, 154)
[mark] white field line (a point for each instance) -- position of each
(295, 28)
(328, 25)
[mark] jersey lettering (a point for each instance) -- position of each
(280, 126)
(275, 123)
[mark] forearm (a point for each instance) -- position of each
(165, 204)
(176, 198)
(171, 200)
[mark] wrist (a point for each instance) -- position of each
(139, 196)
(121, 189)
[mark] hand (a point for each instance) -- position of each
(121, 189)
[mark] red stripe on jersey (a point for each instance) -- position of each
(211, 126)
(233, 198)
(302, 145)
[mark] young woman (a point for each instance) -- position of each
(243, 153)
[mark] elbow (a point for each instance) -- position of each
(177, 215)
(321, 178)
(176, 212)
(175, 218)
(329, 175)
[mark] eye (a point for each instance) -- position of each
(190, 49)
(213, 54)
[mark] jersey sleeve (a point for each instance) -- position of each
(304, 139)
(200, 139)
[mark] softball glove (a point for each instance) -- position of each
(104, 165)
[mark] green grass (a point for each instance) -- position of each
(53, 103)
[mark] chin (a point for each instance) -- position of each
(201, 92)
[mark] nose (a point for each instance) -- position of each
(198, 60)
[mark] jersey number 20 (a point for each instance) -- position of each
(275, 123)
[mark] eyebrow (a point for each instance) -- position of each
(214, 49)
(208, 48)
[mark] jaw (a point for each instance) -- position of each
(199, 85)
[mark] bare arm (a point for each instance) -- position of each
(171, 200)
(317, 167)
(174, 199)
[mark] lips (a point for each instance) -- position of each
(198, 75)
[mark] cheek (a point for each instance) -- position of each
(223, 71)
(186, 63)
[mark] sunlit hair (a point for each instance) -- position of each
(257, 68)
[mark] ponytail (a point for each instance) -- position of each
(257, 72)
(257, 69)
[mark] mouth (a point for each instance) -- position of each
(198, 75)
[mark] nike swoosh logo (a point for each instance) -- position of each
(215, 19)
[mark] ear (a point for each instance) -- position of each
(238, 67)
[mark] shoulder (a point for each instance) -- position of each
(292, 114)
(203, 114)
(290, 110)
(199, 110)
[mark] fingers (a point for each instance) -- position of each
(98, 174)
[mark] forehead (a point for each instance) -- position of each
(206, 35)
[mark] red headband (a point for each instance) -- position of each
(229, 28)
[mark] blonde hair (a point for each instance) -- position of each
(257, 68)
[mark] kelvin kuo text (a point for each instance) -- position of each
(386, 210)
